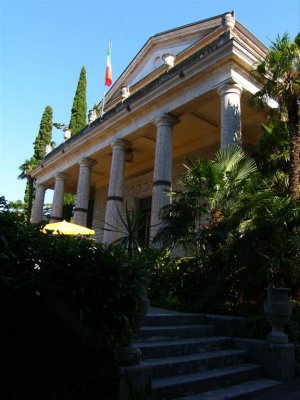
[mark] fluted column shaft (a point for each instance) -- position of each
(38, 206)
(83, 189)
(114, 203)
(162, 176)
(231, 129)
(58, 197)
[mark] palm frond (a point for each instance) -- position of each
(228, 157)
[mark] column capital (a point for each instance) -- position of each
(120, 143)
(61, 176)
(230, 87)
(87, 162)
(41, 186)
(167, 120)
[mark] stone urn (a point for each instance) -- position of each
(67, 133)
(278, 309)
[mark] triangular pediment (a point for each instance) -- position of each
(157, 49)
(148, 63)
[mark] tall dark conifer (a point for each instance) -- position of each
(42, 139)
(44, 136)
(79, 108)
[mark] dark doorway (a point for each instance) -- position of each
(144, 207)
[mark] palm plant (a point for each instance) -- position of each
(271, 154)
(280, 74)
(268, 247)
(26, 168)
(212, 190)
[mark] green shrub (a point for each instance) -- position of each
(183, 284)
(67, 304)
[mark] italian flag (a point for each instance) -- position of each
(108, 72)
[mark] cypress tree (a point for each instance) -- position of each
(44, 136)
(79, 109)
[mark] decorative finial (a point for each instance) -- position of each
(92, 116)
(168, 59)
(48, 149)
(228, 21)
(67, 133)
(125, 92)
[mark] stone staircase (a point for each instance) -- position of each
(190, 361)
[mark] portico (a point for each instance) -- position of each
(135, 151)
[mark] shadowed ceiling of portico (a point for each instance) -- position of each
(198, 131)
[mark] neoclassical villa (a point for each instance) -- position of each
(184, 94)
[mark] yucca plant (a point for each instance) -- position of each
(128, 227)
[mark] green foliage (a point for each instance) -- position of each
(44, 136)
(42, 139)
(212, 190)
(25, 169)
(65, 300)
(183, 284)
(79, 108)
(68, 206)
(279, 73)
(271, 154)
(59, 125)
(240, 233)
(269, 247)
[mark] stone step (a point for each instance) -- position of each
(235, 391)
(178, 347)
(174, 319)
(189, 384)
(175, 331)
(170, 366)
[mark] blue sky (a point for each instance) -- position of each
(44, 44)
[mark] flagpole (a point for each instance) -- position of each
(103, 101)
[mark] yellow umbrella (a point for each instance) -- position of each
(67, 228)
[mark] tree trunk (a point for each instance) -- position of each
(30, 197)
(294, 138)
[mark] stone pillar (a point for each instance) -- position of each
(37, 214)
(162, 177)
(58, 197)
(231, 130)
(115, 190)
(83, 188)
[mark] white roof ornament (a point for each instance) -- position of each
(67, 133)
(48, 149)
(125, 92)
(92, 116)
(168, 59)
(228, 21)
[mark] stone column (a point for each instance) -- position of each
(231, 130)
(162, 177)
(58, 197)
(115, 190)
(37, 214)
(83, 188)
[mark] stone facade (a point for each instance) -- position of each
(134, 152)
